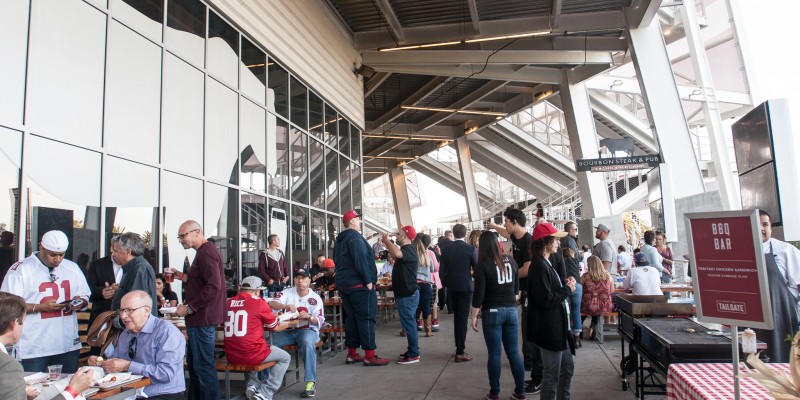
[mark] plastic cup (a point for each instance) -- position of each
(169, 277)
(54, 372)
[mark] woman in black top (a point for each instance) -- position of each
(548, 322)
(166, 297)
(495, 297)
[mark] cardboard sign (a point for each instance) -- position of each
(728, 269)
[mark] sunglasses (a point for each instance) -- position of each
(132, 348)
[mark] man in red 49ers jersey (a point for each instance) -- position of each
(309, 308)
(53, 289)
(248, 314)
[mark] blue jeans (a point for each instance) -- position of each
(500, 330)
(203, 382)
(425, 294)
(558, 368)
(305, 340)
(406, 308)
(575, 308)
(68, 362)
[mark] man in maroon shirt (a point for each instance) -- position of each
(204, 310)
(248, 314)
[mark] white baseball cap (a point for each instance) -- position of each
(55, 241)
(253, 283)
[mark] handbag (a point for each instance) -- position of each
(103, 333)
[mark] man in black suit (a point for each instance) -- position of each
(102, 278)
(458, 259)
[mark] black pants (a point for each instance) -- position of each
(168, 396)
(461, 303)
(530, 351)
(359, 306)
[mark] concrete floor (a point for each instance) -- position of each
(436, 376)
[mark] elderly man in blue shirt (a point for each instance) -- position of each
(149, 346)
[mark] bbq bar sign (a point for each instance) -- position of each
(728, 270)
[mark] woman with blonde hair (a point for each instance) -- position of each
(596, 301)
(424, 282)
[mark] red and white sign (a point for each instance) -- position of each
(728, 270)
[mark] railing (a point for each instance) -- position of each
(545, 122)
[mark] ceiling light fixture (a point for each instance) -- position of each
(391, 157)
(454, 110)
(443, 143)
(415, 138)
(400, 164)
(325, 123)
(455, 42)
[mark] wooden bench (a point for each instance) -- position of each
(296, 350)
(223, 366)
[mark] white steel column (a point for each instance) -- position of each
(656, 79)
(468, 178)
(583, 142)
(402, 206)
(702, 71)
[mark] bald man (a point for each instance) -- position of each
(204, 309)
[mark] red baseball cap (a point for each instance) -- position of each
(544, 229)
(411, 233)
(328, 263)
(350, 215)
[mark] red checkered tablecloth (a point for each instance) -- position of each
(713, 382)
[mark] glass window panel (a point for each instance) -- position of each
(222, 154)
(300, 255)
(355, 144)
(355, 174)
(65, 72)
(278, 92)
(330, 130)
(252, 142)
(56, 202)
(186, 29)
(316, 115)
(317, 226)
(177, 209)
(221, 226)
(10, 159)
(13, 47)
(298, 102)
(146, 16)
(345, 184)
(253, 71)
(182, 137)
(279, 222)
(344, 136)
(254, 231)
(299, 168)
(132, 207)
(133, 95)
(223, 50)
(332, 179)
(279, 183)
(316, 173)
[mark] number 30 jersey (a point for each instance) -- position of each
(47, 333)
(244, 329)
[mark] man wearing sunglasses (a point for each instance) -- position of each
(53, 288)
(149, 346)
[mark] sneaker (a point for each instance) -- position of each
(492, 397)
(408, 360)
(250, 392)
(375, 361)
(533, 389)
(434, 329)
(419, 325)
(435, 323)
(354, 359)
(311, 389)
(517, 396)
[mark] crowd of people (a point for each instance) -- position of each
(543, 287)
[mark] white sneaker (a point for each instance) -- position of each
(250, 393)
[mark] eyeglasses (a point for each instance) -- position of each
(132, 348)
(183, 235)
(129, 311)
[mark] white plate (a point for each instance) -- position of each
(39, 377)
(108, 385)
(168, 310)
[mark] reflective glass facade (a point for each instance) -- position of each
(134, 116)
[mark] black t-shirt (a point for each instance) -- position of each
(404, 273)
(521, 249)
(495, 285)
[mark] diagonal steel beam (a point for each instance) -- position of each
(391, 19)
(374, 82)
(473, 15)
(465, 101)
